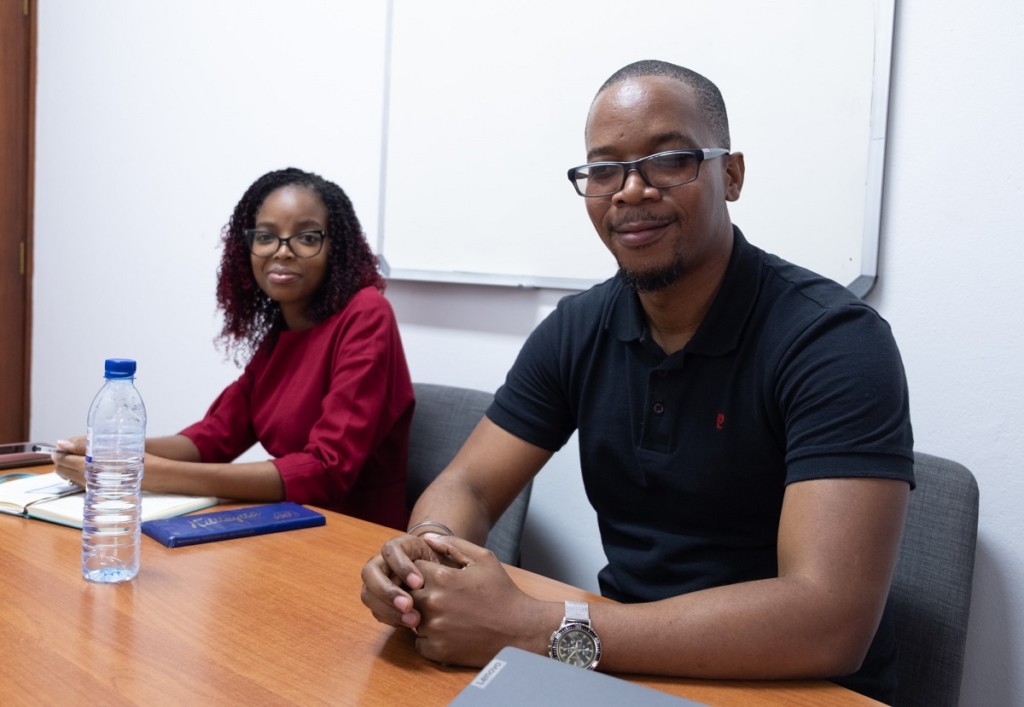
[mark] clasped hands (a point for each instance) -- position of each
(453, 594)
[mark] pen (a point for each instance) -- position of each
(48, 449)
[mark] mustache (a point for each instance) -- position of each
(640, 217)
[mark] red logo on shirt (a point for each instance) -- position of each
(720, 421)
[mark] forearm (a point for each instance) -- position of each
(253, 481)
(474, 490)
(450, 502)
(768, 629)
(177, 447)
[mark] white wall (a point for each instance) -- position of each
(152, 120)
(950, 284)
(949, 280)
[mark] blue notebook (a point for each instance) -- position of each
(237, 523)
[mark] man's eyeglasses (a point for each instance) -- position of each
(307, 244)
(662, 170)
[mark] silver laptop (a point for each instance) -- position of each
(517, 677)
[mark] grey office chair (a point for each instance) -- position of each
(931, 589)
(444, 417)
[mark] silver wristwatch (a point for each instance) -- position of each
(576, 642)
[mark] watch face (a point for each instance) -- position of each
(577, 644)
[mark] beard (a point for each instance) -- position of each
(655, 279)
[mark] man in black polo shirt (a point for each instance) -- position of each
(743, 427)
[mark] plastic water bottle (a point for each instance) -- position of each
(115, 440)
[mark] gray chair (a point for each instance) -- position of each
(444, 417)
(931, 589)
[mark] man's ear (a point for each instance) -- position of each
(734, 170)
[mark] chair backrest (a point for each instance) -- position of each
(444, 417)
(931, 589)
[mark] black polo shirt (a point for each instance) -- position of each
(686, 457)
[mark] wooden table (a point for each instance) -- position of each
(268, 620)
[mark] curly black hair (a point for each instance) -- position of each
(249, 315)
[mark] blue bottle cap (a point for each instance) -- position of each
(119, 368)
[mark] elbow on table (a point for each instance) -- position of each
(840, 652)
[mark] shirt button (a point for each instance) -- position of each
(658, 408)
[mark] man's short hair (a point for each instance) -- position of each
(711, 102)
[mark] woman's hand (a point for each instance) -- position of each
(70, 460)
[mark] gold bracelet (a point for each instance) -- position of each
(442, 526)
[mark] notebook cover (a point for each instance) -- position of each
(237, 523)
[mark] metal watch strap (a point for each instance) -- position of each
(576, 612)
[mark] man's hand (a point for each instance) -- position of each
(388, 576)
(471, 611)
(492, 467)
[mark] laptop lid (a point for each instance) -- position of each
(517, 677)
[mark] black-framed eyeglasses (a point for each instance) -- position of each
(264, 244)
(662, 170)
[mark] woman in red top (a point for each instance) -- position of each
(326, 389)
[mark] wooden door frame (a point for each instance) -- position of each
(30, 198)
(21, 178)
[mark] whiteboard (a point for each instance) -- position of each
(486, 104)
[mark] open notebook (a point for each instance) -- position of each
(516, 677)
(51, 498)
